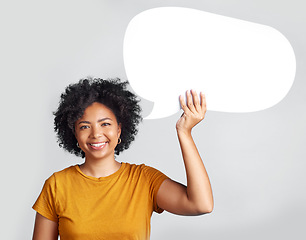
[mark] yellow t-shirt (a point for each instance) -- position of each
(118, 206)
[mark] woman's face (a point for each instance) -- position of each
(97, 132)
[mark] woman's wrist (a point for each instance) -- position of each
(183, 132)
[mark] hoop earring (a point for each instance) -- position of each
(119, 140)
(78, 145)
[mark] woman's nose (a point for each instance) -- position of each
(96, 133)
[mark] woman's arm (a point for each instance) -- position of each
(45, 229)
(197, 197)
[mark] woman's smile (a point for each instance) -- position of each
(97, 146)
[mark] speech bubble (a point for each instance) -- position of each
(241, 66)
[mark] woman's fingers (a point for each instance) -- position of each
(196, 101)
(190, 101)
(183, 104)
(193, 103)
(194, 108)
(203, 102)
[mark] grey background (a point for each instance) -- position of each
(256, 161)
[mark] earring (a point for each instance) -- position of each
(119, 140)
(78, 145)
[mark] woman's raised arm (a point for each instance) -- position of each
(197, 197)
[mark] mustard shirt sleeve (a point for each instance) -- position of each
(46, 202)
(155, 179)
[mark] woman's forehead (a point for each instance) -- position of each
(98, 111)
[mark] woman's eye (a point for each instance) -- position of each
(84, 127)
(105, 124)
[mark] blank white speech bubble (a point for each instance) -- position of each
(240, 66)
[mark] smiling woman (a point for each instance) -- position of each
(103, 198)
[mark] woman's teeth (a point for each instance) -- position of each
(97, 144)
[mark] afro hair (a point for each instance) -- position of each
(113, 94)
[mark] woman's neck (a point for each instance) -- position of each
(99, 169)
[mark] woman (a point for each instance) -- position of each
(105, 199)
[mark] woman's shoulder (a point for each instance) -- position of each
(66, 170)
(62, 174)
(148, 170)
(136, 167)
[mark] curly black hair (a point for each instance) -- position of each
(113, 94)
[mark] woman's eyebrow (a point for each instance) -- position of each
(84, 122)
(103, 119)
(100, 120)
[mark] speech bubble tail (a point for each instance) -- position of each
(162, 110)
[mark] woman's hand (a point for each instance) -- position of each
(194, 111)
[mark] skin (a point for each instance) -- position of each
(45, 229)
(99, 125)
